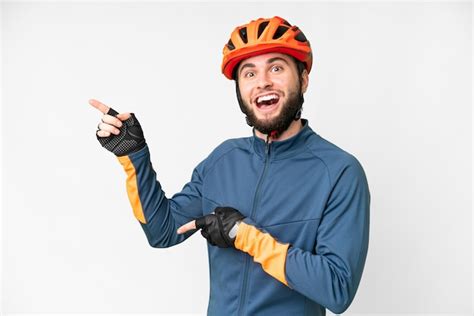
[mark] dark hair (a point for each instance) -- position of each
(299, 65)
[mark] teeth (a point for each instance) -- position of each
(267, 98)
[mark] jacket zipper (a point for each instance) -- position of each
(243, 292)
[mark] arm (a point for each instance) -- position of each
(159, 216)
(122, 135)
(330, 274)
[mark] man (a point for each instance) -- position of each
(285, 212)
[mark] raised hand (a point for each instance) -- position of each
(118, 133)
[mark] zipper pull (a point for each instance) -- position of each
(273, 135)
(267, 145)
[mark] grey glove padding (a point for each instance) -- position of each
(130, 138)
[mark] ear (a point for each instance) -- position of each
(304, 80)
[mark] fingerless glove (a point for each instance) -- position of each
(129, 140)
(216, 227)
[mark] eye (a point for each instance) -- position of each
(249, 74)
(276, 68)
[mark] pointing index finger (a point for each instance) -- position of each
(99, 106)
(187, 227)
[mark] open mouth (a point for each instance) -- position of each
(267, 100)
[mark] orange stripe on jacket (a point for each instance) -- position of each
(132, 188)
(264, 249)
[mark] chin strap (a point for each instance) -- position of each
(298, 114)
(273, 134)
(248, 121)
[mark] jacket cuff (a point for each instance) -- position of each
(264, 249)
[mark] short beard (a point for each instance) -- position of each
(280, 123)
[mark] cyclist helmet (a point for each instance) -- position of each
(274, 35)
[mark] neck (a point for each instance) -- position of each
(292, 130)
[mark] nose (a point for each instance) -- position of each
(264, 81)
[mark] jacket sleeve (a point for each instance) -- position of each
(159, 216)
(330, 274)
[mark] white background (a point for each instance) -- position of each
(391, 84)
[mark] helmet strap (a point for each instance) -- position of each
(298, 114)
(248, 121)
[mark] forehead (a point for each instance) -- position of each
(264, 59)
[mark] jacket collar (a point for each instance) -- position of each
(285, 148)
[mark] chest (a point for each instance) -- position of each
(284, 197)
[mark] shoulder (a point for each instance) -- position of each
(225, 148)
(242, 143)
(338, 161)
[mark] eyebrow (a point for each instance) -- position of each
(271, 60)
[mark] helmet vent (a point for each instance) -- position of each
(280, 31)
(264, 36)
(230, 45)
(243, 34)
(261, 28)
(300, 37)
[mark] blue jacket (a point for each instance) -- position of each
(307, 226)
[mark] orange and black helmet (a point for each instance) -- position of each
(274, 35)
